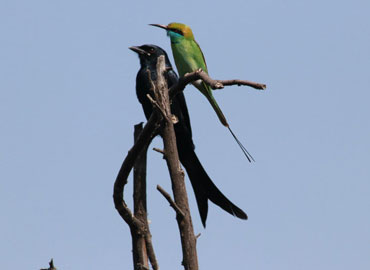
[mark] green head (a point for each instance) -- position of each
(177, 31)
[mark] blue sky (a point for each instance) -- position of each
(68, 106)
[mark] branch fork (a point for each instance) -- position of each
(161, 103)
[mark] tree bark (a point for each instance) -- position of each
(188, 240)
(142, 248)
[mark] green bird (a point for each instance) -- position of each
(188, 58)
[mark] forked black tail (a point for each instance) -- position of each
(203, 186)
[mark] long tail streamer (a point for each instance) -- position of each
(245, 151)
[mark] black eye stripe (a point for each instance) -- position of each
(177, 31)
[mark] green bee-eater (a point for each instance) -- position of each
(188, 58)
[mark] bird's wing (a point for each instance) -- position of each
(184, 110)
(143, 87)
(204, 66)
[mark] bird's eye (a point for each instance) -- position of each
(152, 50)
(176, 31)
(179, 32)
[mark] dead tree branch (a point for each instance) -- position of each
(137, 221)
(141, 237)
(215, 84)
(142, 244)
(188, 240)
(170, 201)
(144, 139)
(258, 86)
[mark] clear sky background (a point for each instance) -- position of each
(68, 106)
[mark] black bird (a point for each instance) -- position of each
(203, 186)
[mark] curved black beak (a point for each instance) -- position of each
(159, 25)
(138, 50)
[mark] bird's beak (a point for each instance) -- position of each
(159, 25)
(137, 50)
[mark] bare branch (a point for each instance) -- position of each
(215, 84)
(150, 250)
(144, 139)
(188, 241)
(142, 248)
(140, 266)
(258, 86)
(159, 151)
(138, 223)
(156, 105)
(169, 199)
(208, 80)
(150, 79)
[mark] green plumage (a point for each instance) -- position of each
(188, 58)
